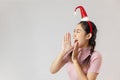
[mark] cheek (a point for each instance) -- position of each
(81, 40)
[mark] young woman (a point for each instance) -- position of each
(83, 62)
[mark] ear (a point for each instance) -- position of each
(88, 36)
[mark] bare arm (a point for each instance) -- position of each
(59, 62)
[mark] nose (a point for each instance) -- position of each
(74, 36)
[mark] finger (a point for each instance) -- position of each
(76, 46)
(69, 37)
(65, 37)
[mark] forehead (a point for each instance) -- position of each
(79, 27)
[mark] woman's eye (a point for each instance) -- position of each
(78, 31)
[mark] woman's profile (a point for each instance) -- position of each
(82, 60)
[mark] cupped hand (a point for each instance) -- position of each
(66, 44)
(75, 51)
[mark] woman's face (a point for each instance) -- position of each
(80, 36)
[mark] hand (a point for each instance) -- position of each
(66, 45)
(75, 52)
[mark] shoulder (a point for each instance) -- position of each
(95, 62)
(96, 55)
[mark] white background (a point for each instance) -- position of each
(31, 33)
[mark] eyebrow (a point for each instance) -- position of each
(77, 29)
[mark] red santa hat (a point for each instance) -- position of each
(84, 16)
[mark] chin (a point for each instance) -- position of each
(80, 46)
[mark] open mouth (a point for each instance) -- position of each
(75, 41)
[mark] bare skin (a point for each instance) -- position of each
(80, 41)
